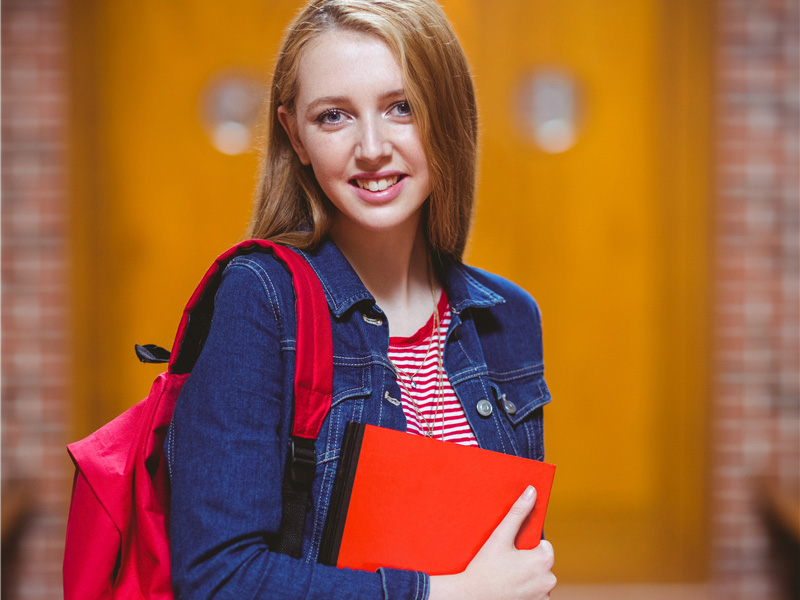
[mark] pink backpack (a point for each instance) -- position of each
(117, 542)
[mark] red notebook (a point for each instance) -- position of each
(409, 502)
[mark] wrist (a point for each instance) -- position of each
(449, 587)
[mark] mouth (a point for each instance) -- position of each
(376, 184)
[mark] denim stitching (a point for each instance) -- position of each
(372, 359)
(498, 427)
(530, 403)
(329, 456)
(534, 432)
(353, 392)
(467, 374)
(334, 429)
(532, 407)
(497, 298)
(538, 423)
(535, 369)
(350, 361)
(346, 302)
(460, 344)
(337, 416)
(383, 583)
(362, 389)
(381, 395)
(266, 282)
(321, 280)
(320, 513)
(425, 584)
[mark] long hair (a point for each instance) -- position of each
(290, 206)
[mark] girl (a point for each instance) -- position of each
(369, 173)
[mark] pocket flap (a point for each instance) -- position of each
(527, 393)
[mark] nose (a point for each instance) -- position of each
(373, 144)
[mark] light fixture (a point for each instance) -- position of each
(229, 108)
(549, 107)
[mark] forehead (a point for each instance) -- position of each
(340, 60)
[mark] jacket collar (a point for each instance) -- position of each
(463, 290)
(344, 289)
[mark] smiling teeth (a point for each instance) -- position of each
(376, 185)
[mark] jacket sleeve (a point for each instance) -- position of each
(226, 458)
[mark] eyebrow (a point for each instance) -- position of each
(327, 100)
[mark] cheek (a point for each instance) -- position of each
(328, 158)
(330, 171)
(413, 145)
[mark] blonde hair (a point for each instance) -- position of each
(291, 208)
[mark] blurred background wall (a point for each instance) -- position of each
(36, 305)
(639, 176)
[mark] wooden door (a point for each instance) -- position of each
(155, 200)
(608, 234)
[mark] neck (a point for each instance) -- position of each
(394, 267)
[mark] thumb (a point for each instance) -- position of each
(506, 532)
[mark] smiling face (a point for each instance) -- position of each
(353, 125)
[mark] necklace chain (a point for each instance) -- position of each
(429, 426)
(411, 376)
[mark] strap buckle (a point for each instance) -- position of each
(302, 460)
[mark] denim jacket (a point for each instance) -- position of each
(228, 440)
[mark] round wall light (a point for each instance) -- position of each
(229, 109)
(549, 107)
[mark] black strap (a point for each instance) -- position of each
(151, 353)
(297, 483)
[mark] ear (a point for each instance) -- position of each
(289, 124)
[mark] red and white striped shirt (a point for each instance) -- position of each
(429, 401)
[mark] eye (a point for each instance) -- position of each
(402, 108)
(332, 116)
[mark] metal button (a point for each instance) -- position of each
(509, 406)
(372, 321)
(484, 408)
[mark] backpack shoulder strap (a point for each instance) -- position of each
(313, 380)
(314, 356)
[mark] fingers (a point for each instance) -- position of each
(545, 553)
(499, 565)
(546, 547)
(507, 530)
(543, 559)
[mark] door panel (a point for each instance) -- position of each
(155, 201)
(610, 237)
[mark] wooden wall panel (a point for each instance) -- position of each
(155, 202)
(611, 238)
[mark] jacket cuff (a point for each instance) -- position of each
(404, 585)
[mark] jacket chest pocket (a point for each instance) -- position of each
(361, 393)
(521, 400)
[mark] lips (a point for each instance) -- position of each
(378, 187)
(377, 182)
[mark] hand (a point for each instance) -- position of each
(499, 571)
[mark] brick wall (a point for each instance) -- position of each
(34, 293)
(756, 423)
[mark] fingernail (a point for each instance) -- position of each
(529, 493)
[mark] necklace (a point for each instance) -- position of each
(438, 409)
(410, 377)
